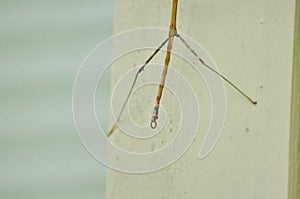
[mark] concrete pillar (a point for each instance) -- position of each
(252, 44)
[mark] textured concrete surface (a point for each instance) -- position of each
(252, 44)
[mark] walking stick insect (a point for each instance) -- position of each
(173, 33)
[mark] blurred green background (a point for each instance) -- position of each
(41, 48)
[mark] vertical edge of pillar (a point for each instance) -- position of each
(294, 160)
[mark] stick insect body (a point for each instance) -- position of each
(172, 34)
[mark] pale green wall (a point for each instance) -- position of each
(42, 44)
(252, 44)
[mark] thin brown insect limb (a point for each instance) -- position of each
(172, 33)
(141, 69)
(213, 70)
